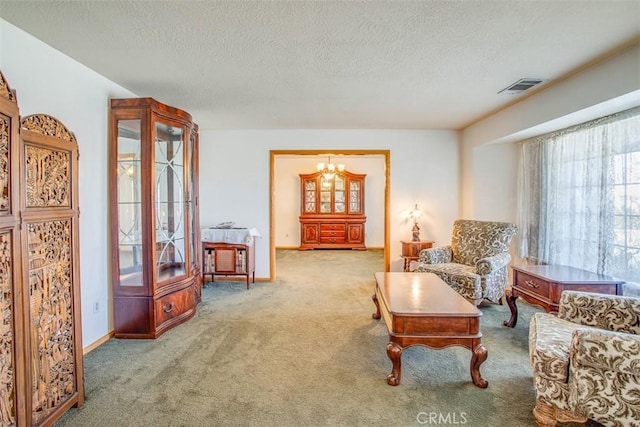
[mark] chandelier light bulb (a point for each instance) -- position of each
(328, 170)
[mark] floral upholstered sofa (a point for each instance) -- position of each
(586, 361)
(475, 263)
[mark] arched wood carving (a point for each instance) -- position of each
(48, 171)
(47, 125)
(6, 91)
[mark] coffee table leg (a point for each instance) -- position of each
(376, 315)
(479, 356)
(511, 301)
(394, 351)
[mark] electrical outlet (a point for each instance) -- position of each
(96, 307)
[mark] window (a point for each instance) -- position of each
(627, 214)
(579, 196)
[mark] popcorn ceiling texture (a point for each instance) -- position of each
(328, 64)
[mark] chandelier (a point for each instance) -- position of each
(328, 170)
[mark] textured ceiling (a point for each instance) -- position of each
(329, 64)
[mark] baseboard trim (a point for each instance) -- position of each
(223, 278)
(296, 248)
(97, 343)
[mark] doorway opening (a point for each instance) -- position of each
(274, 154)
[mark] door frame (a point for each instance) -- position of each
(316, 152)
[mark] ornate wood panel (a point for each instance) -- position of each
(12, 372)
(51, 316)
(5, 173)
(7, 341)
(48, 177)
(50, 237)
(41, 369)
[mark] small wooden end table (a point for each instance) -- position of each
(411, 251)
(421, 309)
(542, 285)
(229, 259)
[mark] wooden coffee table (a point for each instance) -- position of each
(421, 309)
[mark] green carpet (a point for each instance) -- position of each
(303, 351)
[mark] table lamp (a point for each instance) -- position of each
(415, 214)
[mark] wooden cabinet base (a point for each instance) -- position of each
(332, 233)
(148, 317)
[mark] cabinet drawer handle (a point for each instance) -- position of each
(531, 283)
(168, 308)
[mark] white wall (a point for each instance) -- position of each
(234, 178)
(46, 81)
(489, 154)
(288, 194)
(495, 170)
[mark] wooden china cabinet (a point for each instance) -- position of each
(154, 217)
(332, 211)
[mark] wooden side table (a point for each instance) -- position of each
(228, 259)
(411, 251)
(542, 285)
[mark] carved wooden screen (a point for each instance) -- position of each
(11, 333)
(50, 215)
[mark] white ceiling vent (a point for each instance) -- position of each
(520, 86)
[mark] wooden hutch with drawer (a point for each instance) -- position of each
(332, 211)
(155, 233)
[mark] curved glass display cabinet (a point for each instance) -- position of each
(155, 227)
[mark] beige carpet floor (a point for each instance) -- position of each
(303, 351)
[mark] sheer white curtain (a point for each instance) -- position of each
(579, 196)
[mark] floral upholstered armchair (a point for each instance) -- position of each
(475, 264)
(586, 361)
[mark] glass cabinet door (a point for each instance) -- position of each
(170, 203)
(310, 195)
(191, 208)
(129, 203)
(339, 194)
(355, 190)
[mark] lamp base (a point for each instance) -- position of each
(416, 232)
